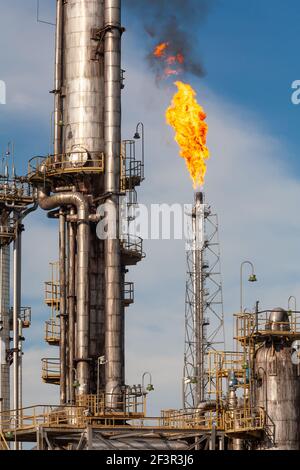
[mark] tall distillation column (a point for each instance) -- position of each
(83, 174)
(76, 184)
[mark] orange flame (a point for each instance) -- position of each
(187, 118)
(160, 49)
(172, 61)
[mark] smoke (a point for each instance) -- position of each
(176, 22)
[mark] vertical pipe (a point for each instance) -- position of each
(123, 273)
(62, 280)
(4, 330)
(83, 368)
(20, 366)
(71, 303)
(15, 324)
(199, 306)
(83, 230)
(112, 137)
(58, 102)
(16, 314)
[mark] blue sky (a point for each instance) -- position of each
(249, 50)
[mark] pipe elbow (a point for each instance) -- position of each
(47, 202)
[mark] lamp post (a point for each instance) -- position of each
(137, 136)
(292, 297)
(252, 278)
(150, 387)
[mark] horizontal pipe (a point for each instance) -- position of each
(63, 189)
(73, 217)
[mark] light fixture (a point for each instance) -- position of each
(252, 278)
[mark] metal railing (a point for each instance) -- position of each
(3, 443)
(39, 415)
(24, 316)
(132, 170)
(51, 370)
(191, 419)
(15, 191)
(52, 331)
(7, 232)
(52, 288)
(52, 293)
(92, 409)
(125, 404)
(244, 420)
(252, 325)
(128, 293)
(71, 162)
(133, 244)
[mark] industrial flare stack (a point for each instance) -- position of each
(248, 398)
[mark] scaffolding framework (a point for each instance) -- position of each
(204, 317)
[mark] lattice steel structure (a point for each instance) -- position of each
(204, 317)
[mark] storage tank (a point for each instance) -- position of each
(277, 384)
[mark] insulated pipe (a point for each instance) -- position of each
(62, 309)
(20, 364)
(71, 307)
(58, 104)
(73, 217)
(199, 302)
(16, 315)
(123, 273)
(47, 202)
(4, 331)
(112, 137)
(20, 368)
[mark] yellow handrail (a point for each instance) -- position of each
(3, 443)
